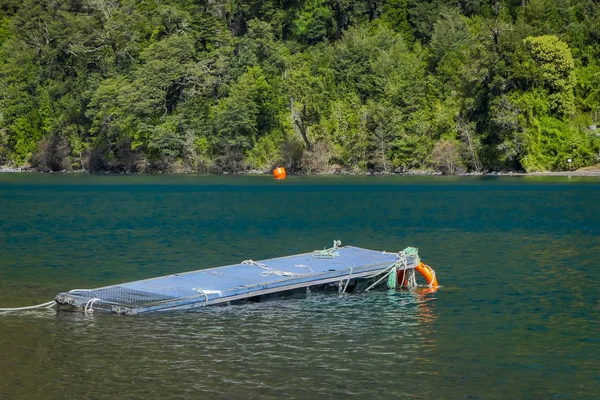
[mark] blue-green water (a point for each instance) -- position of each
(516, 318)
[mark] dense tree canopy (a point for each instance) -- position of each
(315, 85)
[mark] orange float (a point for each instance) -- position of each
(425, 270)
(279, 173)
(429, 274)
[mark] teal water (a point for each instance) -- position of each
(516, 318)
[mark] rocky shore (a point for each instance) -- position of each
(12, 169)
(588, 171)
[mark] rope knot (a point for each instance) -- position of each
(268, 271)
(328, 253)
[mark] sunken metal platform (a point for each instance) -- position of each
(345, 268)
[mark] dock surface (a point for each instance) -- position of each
(234, 282)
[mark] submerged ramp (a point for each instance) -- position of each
(246, 280)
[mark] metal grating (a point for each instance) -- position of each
(123, 296)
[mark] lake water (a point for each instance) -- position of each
(517, 316)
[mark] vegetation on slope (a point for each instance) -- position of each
(225, 86)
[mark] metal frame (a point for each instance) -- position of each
(76, 301)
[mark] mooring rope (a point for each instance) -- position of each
(409, 278)
(379, 272)
(87, 309)
(391, 270)
(205, 295)
(89, 306)
(348, 281)
(401, 263)
(42, 306)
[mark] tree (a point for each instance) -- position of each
(308, 80)
(313, 25)
(446, 156)
(450, 34)
(555, 61)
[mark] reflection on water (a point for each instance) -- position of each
(516, 316)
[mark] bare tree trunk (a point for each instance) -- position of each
(495, 30)
(475, 159)
(303, 130)
(465, 130)
(299, 123)
(383, 154)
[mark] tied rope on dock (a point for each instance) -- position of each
(391, 272)
(328, 253)
(268, 271)
(205, 293)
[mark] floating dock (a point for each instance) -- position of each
(343, 269)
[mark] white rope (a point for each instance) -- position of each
(380, 279)
(430, 284)
(328, 253)
(205, 295)
(304, 266)
(380, 272)
(49, 304)
(401, 259)
(272, 271)
(89, 306)
(206, 292)
(412, 280)
(348, 281)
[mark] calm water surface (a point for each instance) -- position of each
(516, 318)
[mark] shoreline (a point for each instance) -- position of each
(589, 171)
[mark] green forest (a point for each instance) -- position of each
(224, 86)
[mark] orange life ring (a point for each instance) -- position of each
(429, 274)
(425, 270)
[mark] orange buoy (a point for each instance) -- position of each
(279, 173)
(429, 275)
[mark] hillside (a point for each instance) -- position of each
(315, 85)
